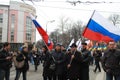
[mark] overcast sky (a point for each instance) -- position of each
(54, 9)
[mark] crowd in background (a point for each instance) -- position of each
(60, 63)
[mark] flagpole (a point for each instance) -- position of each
(71, 58)
(78, 43)
(91, 17)
(88, 22)
(74, 54)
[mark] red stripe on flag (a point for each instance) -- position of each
(45, 37)
(95, 36)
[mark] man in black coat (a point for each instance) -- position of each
(46, 56)
(5, 62)
(59, 59)
(73, 59)
(86, 56)
(111, 62)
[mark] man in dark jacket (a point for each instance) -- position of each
(59, 59)
(73, 59)
(86, 56)
(5, 62)
(47, 72)
(111, 62)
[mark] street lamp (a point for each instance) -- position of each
(49, 22)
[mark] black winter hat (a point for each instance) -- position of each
(73, 45)
(84, 43)
(58, 44)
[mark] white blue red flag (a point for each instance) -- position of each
(100, 29)
(43, 33)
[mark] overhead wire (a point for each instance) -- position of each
(76, 9)
(46, 18)
(90, 2)
(86, 2)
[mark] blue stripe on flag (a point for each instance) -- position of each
(98, 28)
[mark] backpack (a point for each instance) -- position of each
(18, 64)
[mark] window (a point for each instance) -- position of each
(13, 18)
(28, 29)
(0, 38)
(1, 24)
(12, 27)
(1, 20)
(0, 34)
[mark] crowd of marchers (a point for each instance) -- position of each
(61, 64)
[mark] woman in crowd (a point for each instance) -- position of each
(35, 58)
(20, 57)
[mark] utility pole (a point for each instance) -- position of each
(49, 22)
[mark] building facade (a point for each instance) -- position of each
(15, 23)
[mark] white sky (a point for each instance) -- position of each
(54, 9)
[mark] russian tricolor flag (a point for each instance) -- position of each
(43, 33)
(100, 29)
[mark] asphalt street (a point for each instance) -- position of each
(32, 75)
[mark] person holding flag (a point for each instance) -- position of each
(47, 72)
(73, 63)
(48, 44)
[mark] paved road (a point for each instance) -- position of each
(32, 75)
(97, 75)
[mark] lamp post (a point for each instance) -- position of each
(49, 22)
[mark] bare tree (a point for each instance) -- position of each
(55, 36)
(62, 24)
(115, 18)
(77, 30)
(67, 29)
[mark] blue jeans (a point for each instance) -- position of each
(18, 73)
(4, 74)
(110, 76)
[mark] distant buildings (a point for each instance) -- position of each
(15, 24)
